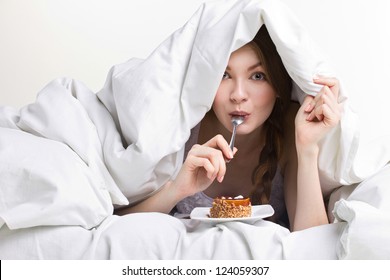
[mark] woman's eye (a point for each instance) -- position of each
(258, 76)
(225, 76)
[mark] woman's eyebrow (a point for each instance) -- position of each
(258, 64)
(254, 66)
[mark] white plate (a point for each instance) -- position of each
(258, 212)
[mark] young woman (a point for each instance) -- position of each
(276, 150)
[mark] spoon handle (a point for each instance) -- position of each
(231, 144)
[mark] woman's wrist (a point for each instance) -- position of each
(174, 191)
(308, 151)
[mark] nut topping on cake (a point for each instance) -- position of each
(228, 207)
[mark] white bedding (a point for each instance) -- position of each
(64, 161)
(363, 235)
(165, 238)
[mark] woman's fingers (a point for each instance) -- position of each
(198, 162)
(328, 95)
(330, 82)
(315, 103)
(327, 111)
(211, 159)
(219, 142)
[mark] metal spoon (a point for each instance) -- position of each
(236, 121)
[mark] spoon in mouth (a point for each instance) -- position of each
(236, 121)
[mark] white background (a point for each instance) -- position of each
(44, 39)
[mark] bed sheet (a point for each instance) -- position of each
(163, 237)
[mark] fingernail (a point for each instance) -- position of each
(308, 107)
(220, 179)
(316, 77)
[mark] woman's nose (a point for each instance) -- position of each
(238, 93)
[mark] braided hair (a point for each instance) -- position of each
(271, 153)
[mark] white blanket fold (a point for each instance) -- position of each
(366, 210)
(366, 235)
(188, 239)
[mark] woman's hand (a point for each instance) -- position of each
(318, 115)
(204, 164)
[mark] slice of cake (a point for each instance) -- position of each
(228, 207)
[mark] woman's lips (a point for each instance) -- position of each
(243, 114)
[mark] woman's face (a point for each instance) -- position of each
(244, 91)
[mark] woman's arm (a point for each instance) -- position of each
(204, 164)
(316, 117)
(310, 209)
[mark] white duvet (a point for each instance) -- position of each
(67, 158)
